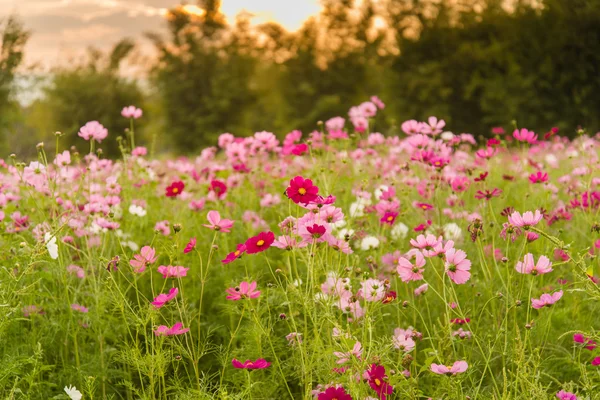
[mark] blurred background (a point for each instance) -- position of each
(202, 68)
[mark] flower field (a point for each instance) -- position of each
(340, 264)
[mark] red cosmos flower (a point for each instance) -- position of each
(422, 227)
(261, 363)
(241, 249)
(260, 242)
(538, 177)
(218, 187)
(302, 191)
(487, 194)
(481, 177)
(334, 393)
(175, 189)
(377, 381)
(389, 297)
(389, 218)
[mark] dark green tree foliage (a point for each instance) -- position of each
(14, 38)
(203, 75)
(536, 65)
(93, 91)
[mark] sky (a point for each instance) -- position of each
(63, 29)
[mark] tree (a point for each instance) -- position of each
(14, 38)
(93, 91)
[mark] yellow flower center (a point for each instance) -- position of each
(302, 191)
(377, 382)
(390, 218)
(175, 190)
(237, 253)
(260, 242)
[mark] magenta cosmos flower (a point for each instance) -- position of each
(526, 220)
(218, 224)
(170, 271)
(409, 271)
(302, 191)
(334, 393)
(525, 135)
(190, 246)
(538, 177)
(260, 242)
(562, 395)
(546, 300)
(146, 257)
(378, 381)
(162, 299)
(244, 291)
(175, 189)
(234, 255)
(457, 368)
(176, 329)
(589, 343)
(528, 266)
(457, 266)
(93, 130)
(261, 363)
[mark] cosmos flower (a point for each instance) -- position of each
(546, 300)
(245, 290)
(528, 266)
(176, 329)
(258, 364)
(260, 242)
(302, 191)
(162, 299)
(175, 189)
(218, 224)
(457, 368)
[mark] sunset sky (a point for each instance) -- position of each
(63, 29)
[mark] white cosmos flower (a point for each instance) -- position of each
(379, 191)
(452, 231)
(73, 393)
(370, 242)
(399, 231)
(343, 232)
(51, 245)
(137, 210)
(357, 209)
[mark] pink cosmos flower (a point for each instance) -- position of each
(546, 300)
(345, 357)
(334, 393)
(190, 246)
(457, 368)
(258, 364)
(93, 130)
(421, 289)
(176, 329)
(79, 308)
(162, 299)
(457, 266)
(146, 257)
(373, 290)
(389, 218)
(528, 266)
(426, 243)
(528, 219)
(596, 361)
(525, 135)
(433, 127)
(403, 339)
(218, 224)
(409, 271)
(244, 291)
(172, 272)
(131, 112)
(562, 395)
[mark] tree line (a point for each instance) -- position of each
(476, 64)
